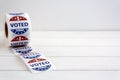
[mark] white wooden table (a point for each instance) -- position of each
(77, 55)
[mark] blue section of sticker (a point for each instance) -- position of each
(42, 68)
(31, 56)
(16, 13)
(19, 31)
(24, 51)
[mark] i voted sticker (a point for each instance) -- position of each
(31, 55)
(19, 43)
(39, 64)
(19, 25)
(23, 50)
(42, 68)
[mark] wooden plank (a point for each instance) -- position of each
(67, 63)
(60, 75)
(70, 51)
(72, 38)
(73, 43)
(79, 50)
(76, 34)
(71, 56)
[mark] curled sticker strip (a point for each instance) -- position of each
(18, 33)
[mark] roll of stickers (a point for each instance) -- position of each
(18, 34)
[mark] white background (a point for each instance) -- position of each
(67, 14)
(81, 55)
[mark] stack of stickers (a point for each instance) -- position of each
(34, 60)
(18, 33)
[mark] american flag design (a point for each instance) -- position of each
(19, 31)
(19, 38)
(18, 18)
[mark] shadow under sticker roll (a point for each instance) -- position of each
(18, 34)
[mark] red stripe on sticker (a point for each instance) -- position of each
(19, 38)
(18, 18)
(36, 60)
